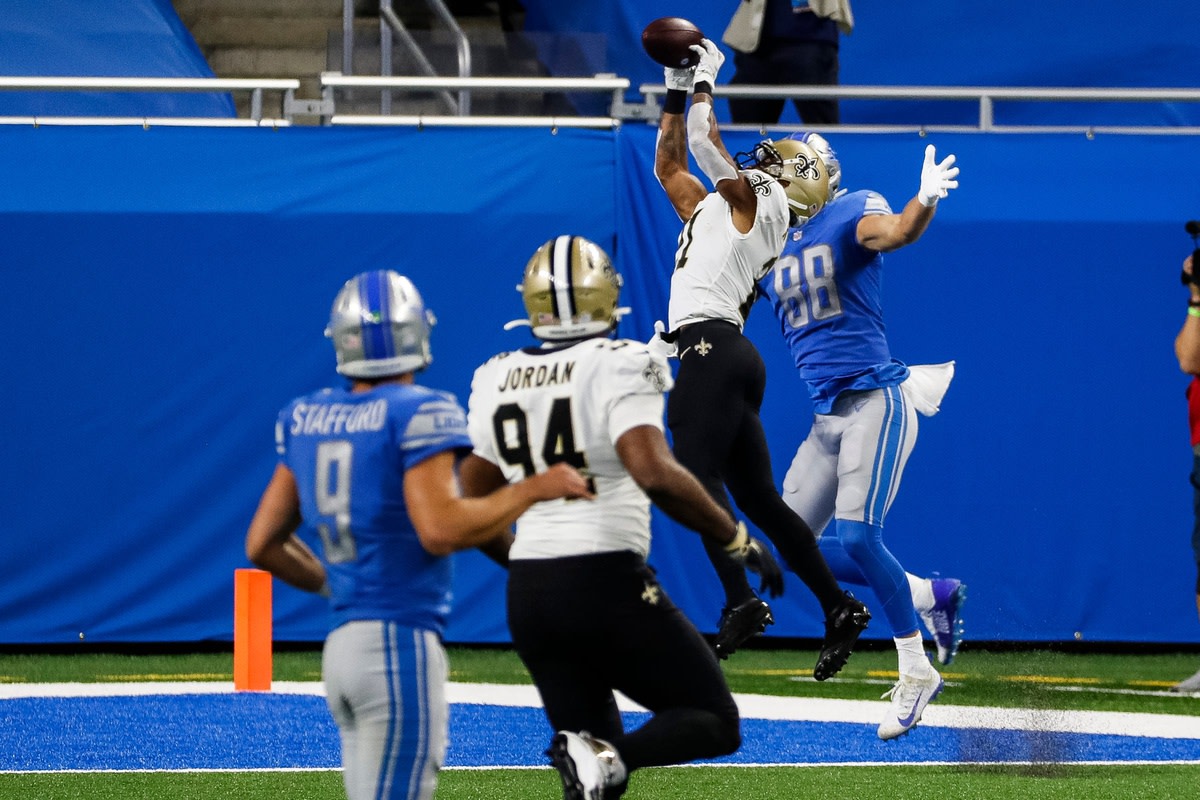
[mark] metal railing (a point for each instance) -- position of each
(392, 27)
(620, 110)
(255, 86)
(985, 96)
(600, 83)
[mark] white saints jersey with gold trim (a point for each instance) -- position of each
(535, 407)
(717, 266)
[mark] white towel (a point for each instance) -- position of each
(926, 385)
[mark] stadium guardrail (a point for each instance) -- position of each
(621, 110)
(255, 86)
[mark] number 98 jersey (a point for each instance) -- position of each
(535, 407)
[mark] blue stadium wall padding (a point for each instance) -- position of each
(180, 281)
(1105, 43)
(166, 292)
(102, 38)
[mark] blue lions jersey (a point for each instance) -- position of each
(826, 292)
(349, 452)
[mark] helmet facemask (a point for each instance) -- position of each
(798, 167)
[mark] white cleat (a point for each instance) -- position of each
(1188, 685)
(909, 697)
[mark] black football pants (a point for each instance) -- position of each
(717, 434)
(586, 625)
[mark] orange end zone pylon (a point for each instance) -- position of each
(251, 630)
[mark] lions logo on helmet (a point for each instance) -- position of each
(380, 326)
(570, 290)
(797, 166)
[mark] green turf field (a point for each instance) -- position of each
(692, 783)
(1034, 678)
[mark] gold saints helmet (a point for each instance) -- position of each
(797, 166)
(570, 290)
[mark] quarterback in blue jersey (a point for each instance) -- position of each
(368, 471)
(825, 290)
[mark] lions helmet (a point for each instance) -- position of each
(797, 166)
(570, 290)
(834, 167)
(380, 326)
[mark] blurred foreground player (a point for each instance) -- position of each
(586, 613)
(369, 471)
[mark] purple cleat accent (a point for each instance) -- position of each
(944, 620)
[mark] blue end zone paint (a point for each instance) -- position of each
(239, 731)
(265, 731)
(474, 742)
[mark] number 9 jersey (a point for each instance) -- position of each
(349, 452)
(537, 406)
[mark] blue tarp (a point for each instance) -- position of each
(166, 290)
(102, 38)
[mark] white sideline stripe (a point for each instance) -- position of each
(752, 706)
(547, 767)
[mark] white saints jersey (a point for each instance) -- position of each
(717, 266)
(535, 407)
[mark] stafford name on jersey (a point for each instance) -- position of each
(323, 419)
(537, 377)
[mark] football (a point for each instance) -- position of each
(667, 39)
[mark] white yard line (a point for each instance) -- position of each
(752, 706)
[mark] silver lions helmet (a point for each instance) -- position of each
(380, 326)
(570, 290)
(798, 167)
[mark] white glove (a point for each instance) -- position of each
(659, 345)
(711, 59)
(936, 179)
(678, 77)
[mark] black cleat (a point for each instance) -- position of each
(741, 623)
(842, 629)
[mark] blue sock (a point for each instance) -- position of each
(840, 563)
(863, 544)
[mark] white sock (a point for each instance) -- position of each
(922, 592)
(912, 657)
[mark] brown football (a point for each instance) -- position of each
(667, 39)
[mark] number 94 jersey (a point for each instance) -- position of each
(535, 407)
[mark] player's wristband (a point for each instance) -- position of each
(676, 102)
(702, 87)
(1193, 311)
(740, 543)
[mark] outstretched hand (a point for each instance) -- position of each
(679, 78)
(711, 59)
(937, 179)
